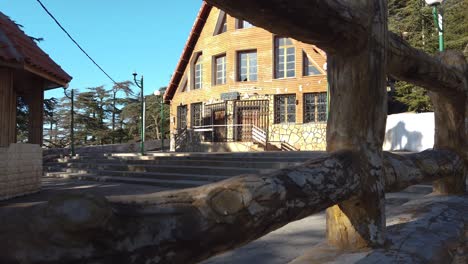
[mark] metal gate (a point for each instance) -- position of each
(248, 113)
(215, 115)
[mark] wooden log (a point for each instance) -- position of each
(357, 122)
(450, 118)
(35, 99)
(339, 26)
(189, 225)
(7, 108)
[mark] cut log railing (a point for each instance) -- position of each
(190, 225)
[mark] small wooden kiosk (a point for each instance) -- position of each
(26, 71)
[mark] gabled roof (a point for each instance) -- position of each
(19, 50)
(188, 50)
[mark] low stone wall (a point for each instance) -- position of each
(150, 145)
(194, 143)
(20, 170)
(312, 136)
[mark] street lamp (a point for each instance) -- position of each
(139, 83)
(160, 92)
(438, 20)
(72, 113)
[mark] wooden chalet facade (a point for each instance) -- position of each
(239, 83)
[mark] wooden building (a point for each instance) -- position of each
(239, 83)
(25, 71)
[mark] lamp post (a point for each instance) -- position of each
(139, 83)
(438, 20)
(72, 113)
(160, 92)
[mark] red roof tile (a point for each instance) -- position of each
(18, 48)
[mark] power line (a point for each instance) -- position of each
(74, 41)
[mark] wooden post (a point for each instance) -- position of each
(450, 118)
(35, 100)
(357, 123)
(7, 108)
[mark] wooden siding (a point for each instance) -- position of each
(7, 108)
(230, 43)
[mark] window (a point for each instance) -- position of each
(220, 69)
(181, 117)
(221, 25)
(309, 68)
(285, 108)
(247, 66)
(240, 24)
(315, 107)
(196, 111)
(197, 72)
(285, 58)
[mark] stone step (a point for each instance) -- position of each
(163, 176)
(131, 180)
(203, 170)
(185, 158)
(197, 163)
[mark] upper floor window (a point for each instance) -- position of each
(196, 117)
(247, 66)
(309, 68)
(220, 69)
(240, 23)
(285, 108)
(221, 25)
(315, 107)
(197, 72)
(285, 58)
(181, 117)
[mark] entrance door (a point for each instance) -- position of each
(249, 113)
(219, 120)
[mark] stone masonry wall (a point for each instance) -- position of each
(311, 136)
(20, 170)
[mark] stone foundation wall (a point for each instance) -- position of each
(311, 136)
(20, 170)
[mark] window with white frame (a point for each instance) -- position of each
(247, 66)
(285, 58)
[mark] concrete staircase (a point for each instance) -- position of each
(171, 170)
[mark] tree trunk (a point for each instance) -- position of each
(357, 122)
(450, 118)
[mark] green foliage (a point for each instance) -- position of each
(414, 21)
(102, 116)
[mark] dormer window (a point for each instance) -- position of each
(240, 24)
(221, 25)
(197, 72)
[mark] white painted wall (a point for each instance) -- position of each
(409, 132)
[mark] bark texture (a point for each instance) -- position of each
(357, 122)
(187, 226)
(450, 118)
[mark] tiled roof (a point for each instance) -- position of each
(17, 48)
(188, 50)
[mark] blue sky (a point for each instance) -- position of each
(122, 36)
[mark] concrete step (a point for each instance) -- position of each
(197, 163)
(131, 180)
(199, 170)
(163, 176)
(186, 158)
